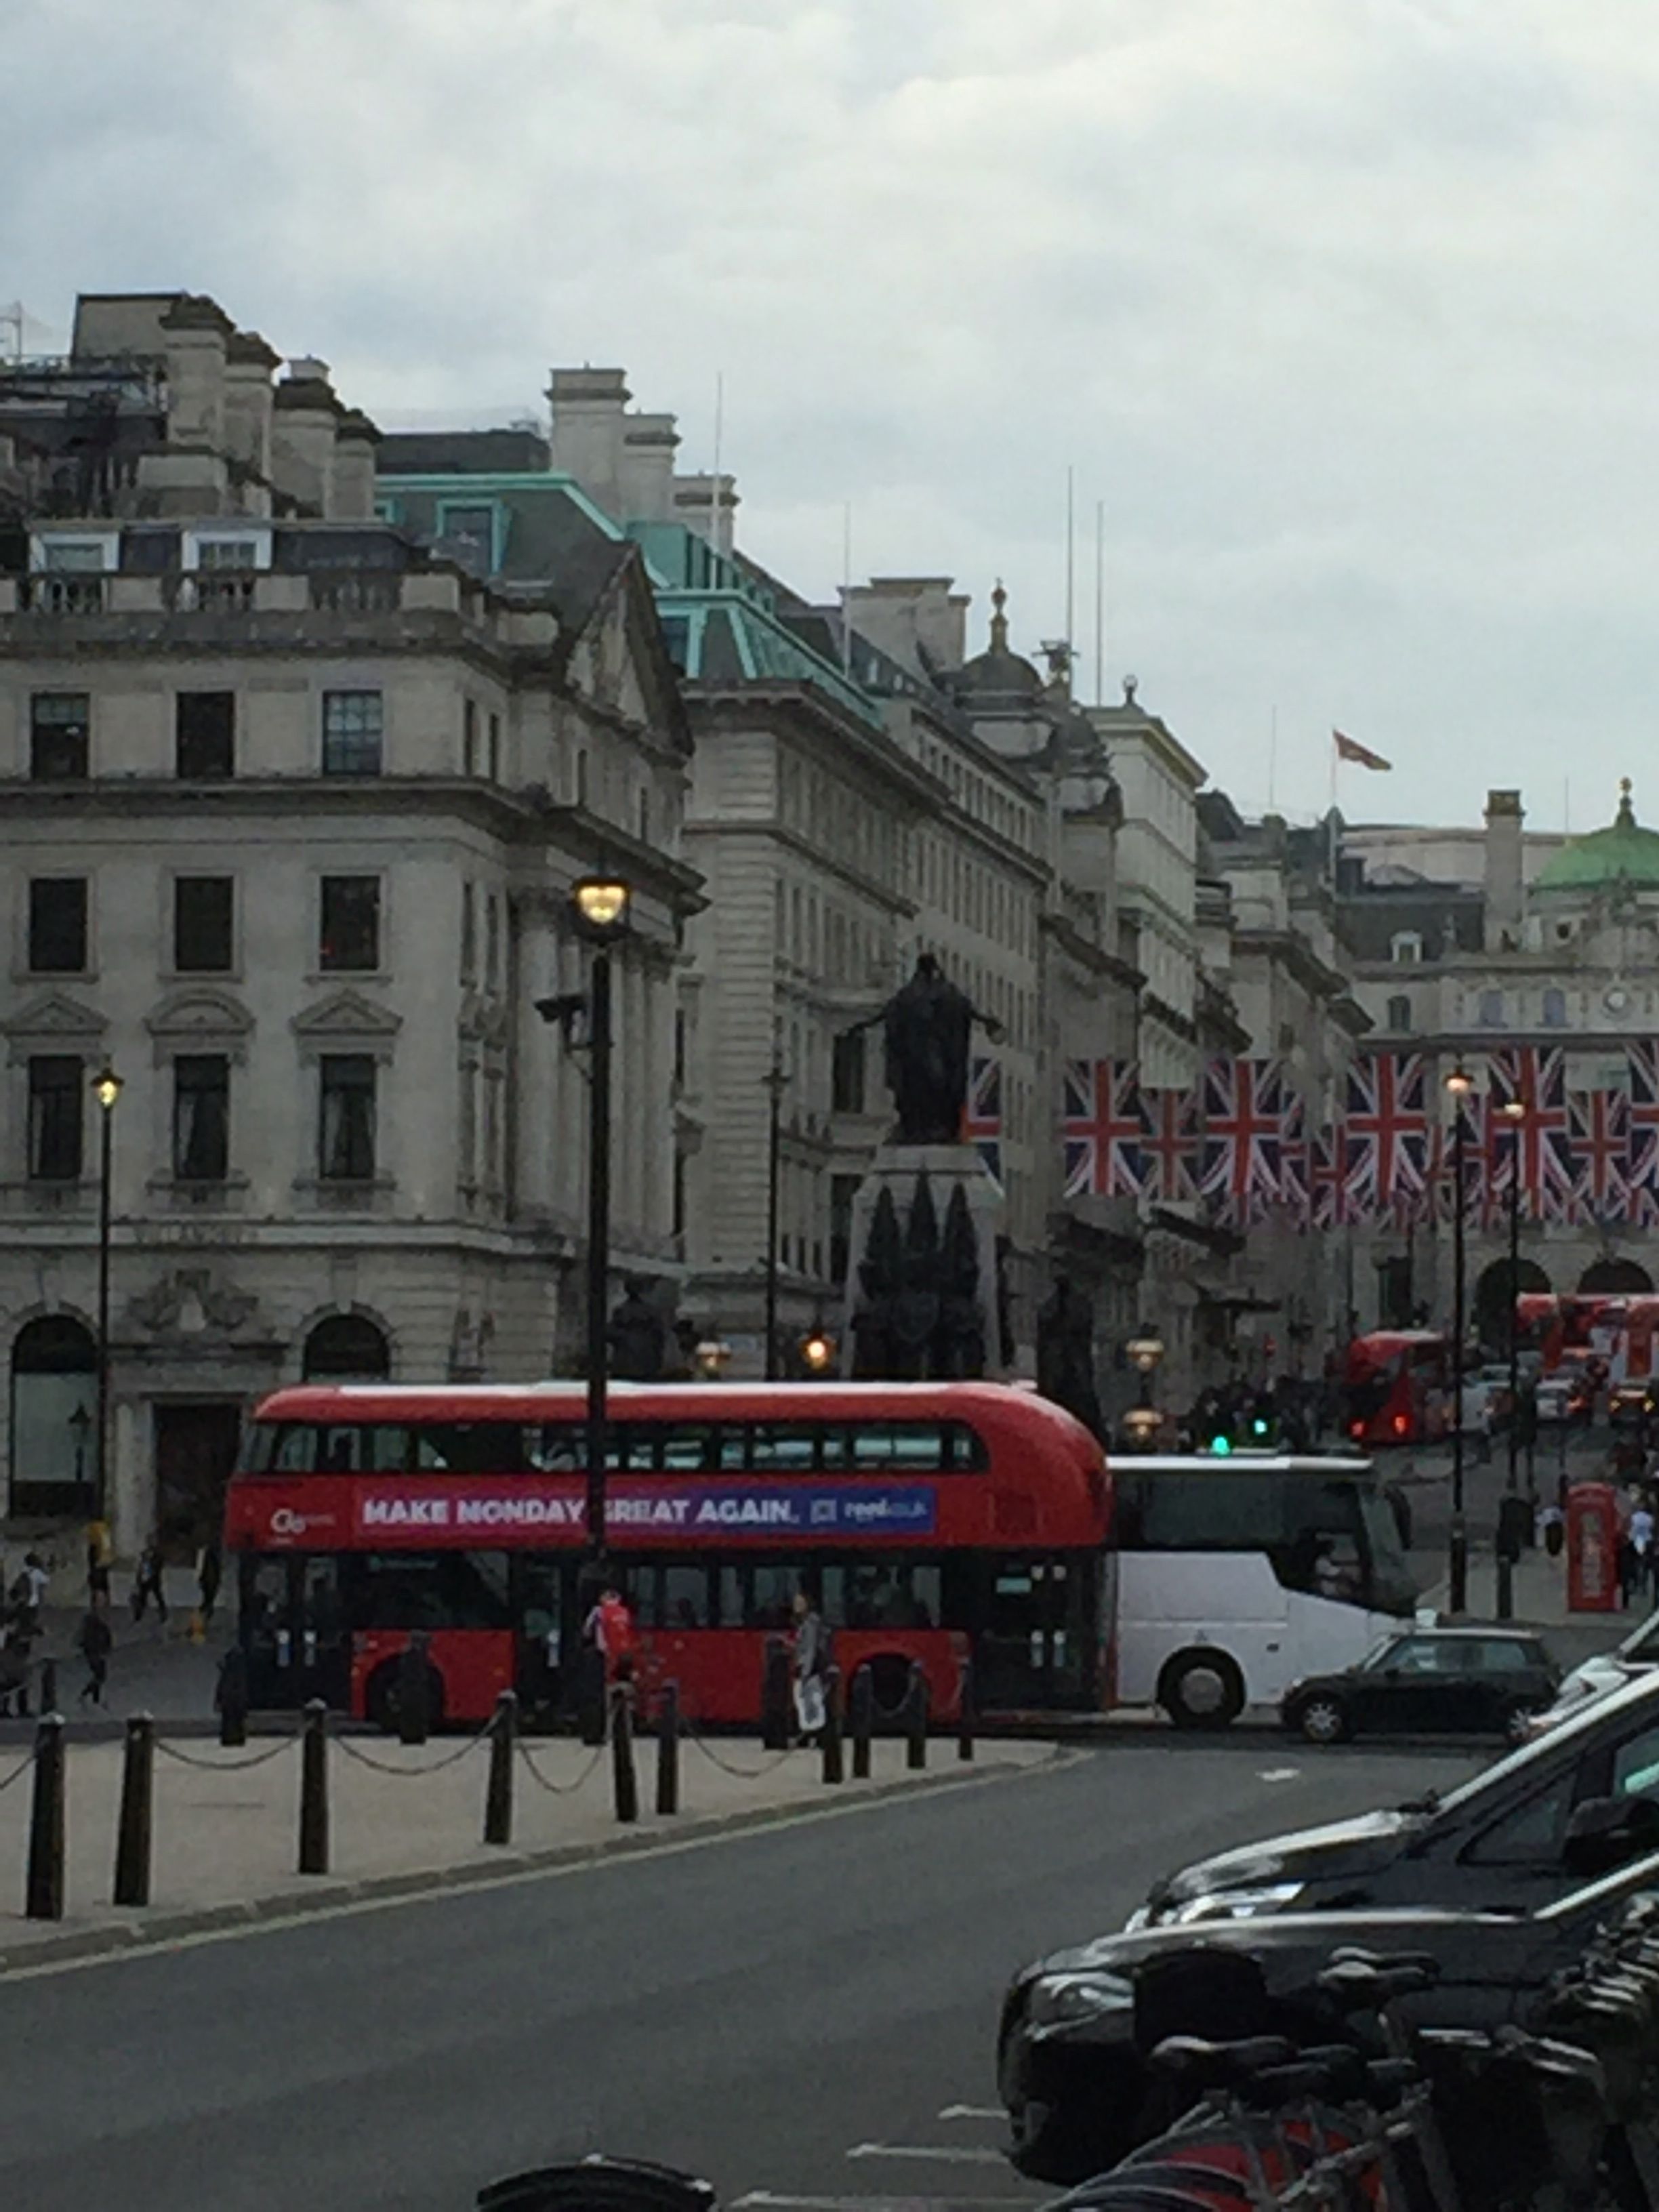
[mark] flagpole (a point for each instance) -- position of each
(1330, 813)
(1273, 758)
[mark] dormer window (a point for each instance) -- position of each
(217, 549)
(75, 553)
(1406, 948)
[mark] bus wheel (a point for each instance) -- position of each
(383, 1705)
(890, 1683)
(1201, 1689)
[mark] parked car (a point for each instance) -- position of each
(1429, 1681)
(1630, 1404)
(1495, 1841)
(1565, 1394)
(1070, 2068)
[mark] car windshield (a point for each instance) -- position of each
(1380, 1654)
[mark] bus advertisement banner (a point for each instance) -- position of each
(434, 1511)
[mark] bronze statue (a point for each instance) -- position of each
(1066, 1353)
(928, 1025)
(638, 1336)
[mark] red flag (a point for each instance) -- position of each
(1350, 748)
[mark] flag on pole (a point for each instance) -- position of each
(1100, 1129)
(1350, 748)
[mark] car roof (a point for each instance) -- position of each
(1492, 1628)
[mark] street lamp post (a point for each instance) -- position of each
(1143, 1421)
(106, 1090)
(1514, 1112)
(775, 1081)
(599, 907)
(1459, 1083)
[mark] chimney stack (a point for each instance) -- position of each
(1505, 892)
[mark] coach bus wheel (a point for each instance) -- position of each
(890, 1682)
(382, 1702)
(1201, 1689)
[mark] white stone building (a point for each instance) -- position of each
(292, 810)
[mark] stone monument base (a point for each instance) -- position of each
(900, 1172)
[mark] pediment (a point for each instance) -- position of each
(200, 1013)
(54, 1015)
(346, 1014)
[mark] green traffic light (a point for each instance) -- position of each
(1222, 1446)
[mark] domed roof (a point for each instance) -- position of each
(1624, 852)
(997, 670)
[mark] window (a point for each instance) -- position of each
(495, 749)
(1555, 1009)
(60, 726)
(467, 534)
(205, 735)
(1400, 1014)
(492, 941)
(58, 924)
(345, 1129)
(846, 1085)
(469, 932)
(352, 729)
(203, 932)
(201, 1117)
(1406, 948)
(55, 1100)
(1491, 1013)
(76, 557)
(469, 736)
(348, 941)
(243, 549)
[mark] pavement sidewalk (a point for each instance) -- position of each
(404, 1820)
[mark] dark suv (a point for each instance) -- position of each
(1493, 1844)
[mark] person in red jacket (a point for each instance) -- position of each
(611, 1627)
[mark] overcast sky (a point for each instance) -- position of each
(1345, 309)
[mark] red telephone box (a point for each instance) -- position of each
(1592, 1548)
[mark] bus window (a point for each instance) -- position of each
(338, 1451)
(636, 1448)
(470, 1447)
(558, 1449)
(771, 1596)
(918, 1443)
(687, 1449)
(964, 1449)
(783, 1446)
(259, 1447)
(386, 1447)
(675, 1597)
(899, 1596)
(430, 1590)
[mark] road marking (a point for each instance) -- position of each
(671, 1847)
(972, 2113)
(940, 2153)
(755, 2199)
(1279, 1773)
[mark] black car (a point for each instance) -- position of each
(1070, 2068)
(1428, 1681)
(1494, 1843)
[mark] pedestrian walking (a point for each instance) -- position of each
(94, 1644)
(98, 1563)
(147, 1583)
(13, 1672)
(207, 1572)
(811, 1658)
(610, 1628)
(1641, 1543)
(28, 1592)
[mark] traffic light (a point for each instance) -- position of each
(1254, 1430)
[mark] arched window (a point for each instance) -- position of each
(1400, 1014)
(346, 1347)
(54, 1417)
(1616, 1278)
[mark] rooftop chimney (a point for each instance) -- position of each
(1504, 898)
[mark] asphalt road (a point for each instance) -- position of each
(804, 2012)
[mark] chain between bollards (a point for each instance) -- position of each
(625, 1781)
(498, 1791)
(135, 1826)
(668, 1748)
(916, 1718)
(862, 1721)
(44, 1896)
(830, 1738)
(314, 1790)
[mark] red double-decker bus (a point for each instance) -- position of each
(929, 1521)
(1394, 1387)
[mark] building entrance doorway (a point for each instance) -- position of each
(195, 1453)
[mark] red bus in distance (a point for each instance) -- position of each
(933, 1521)
(1395, 1383)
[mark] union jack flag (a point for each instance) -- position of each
(1387, 1133)
(1327, 1199)
(1601, 1153)
(1100, 1129)
(981, 1116)
(1536, 1075)
(1439, 1200)
(1243, 1136)
(1170, 1145)
(1643, 1115)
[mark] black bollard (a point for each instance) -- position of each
(834, 1771)
(48, 1687)
(590, 1693)
(134, 1827)
(231, 1697)
(414, 1706)
(916, 1718)
(774, 1695)
(862, 1716)
(965, 1712)
(627, 1783)
(44, 1894)
(668, 1748)
(314, 1790)
(498, 1791)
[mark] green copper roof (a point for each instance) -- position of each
(1623, 853)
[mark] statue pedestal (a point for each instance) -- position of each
(953, 1277)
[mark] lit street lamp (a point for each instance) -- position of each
(1143, 1421)
(817, 1350)
(1459, 1084)
(106, 1090)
